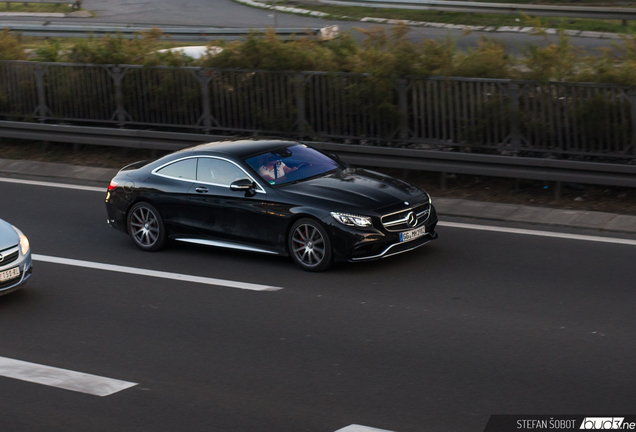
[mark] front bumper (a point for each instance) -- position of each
(351, 244)
(25, 266)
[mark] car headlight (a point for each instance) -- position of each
(352, 220)
(24, 241)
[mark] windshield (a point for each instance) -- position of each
(291, 164)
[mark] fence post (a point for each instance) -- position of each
(41, 110)
(515, 133)
(632, 102)
(204, 80)
(402, 89)
(299, 89)
(119, 97)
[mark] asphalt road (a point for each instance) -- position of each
(226, 13)
(473, 324)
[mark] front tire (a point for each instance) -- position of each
(145, 227)
(309, 245)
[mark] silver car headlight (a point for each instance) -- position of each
(24, 241)
(352, 219)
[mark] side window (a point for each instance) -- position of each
(185, 169)
(218, 171)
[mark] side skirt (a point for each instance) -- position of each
(227, 245)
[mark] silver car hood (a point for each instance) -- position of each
(8, 236)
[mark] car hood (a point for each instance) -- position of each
(8, 237)
(355, 188)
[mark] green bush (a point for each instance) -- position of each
(386, 54)
(10, 47)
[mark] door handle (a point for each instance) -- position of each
(201, 189)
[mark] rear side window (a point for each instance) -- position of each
(184, 169)
(218, 172)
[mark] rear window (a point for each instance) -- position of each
(184, 169)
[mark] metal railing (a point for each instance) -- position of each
(486, 116)
(177, 33)
(406, 159)
(589, 12)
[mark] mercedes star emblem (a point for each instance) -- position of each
(411, 220)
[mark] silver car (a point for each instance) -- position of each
(15, 258)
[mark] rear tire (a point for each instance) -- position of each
(146, 228)
(309, 245)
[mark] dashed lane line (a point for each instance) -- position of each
(539, 233)
(61, 378)
(154, 273)
(57, 185)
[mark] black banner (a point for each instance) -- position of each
(554, 423)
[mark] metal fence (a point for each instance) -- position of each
(462, 114)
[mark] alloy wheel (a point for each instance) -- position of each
(146, 227)
(308, 245)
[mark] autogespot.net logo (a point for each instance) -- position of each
(607, 423)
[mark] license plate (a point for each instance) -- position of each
(412, 235)
(10, 274)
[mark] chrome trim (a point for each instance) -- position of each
(404, 220)
(260, 188)
(419, 215)
(10, 249)
(228, 245)
(385, 253)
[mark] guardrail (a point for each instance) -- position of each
(408, 159)
(589, 12)
(178, 33)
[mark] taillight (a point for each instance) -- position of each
(112, 185)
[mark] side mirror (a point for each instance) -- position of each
(245, 185)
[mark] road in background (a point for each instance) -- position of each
(473, 324)
(226, 13)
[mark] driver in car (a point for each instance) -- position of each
(274, 168)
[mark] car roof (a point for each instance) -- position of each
(238, 148)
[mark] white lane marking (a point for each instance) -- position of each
(539, 233)
(57, 185)
(358, 428)
(154, 273)
(61, 378)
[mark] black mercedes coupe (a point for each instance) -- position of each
(275, 197)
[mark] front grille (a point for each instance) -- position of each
(8, 259)
(398, 221)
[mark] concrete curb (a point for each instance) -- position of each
(74, 14)
(506, 29)
(445, 206)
